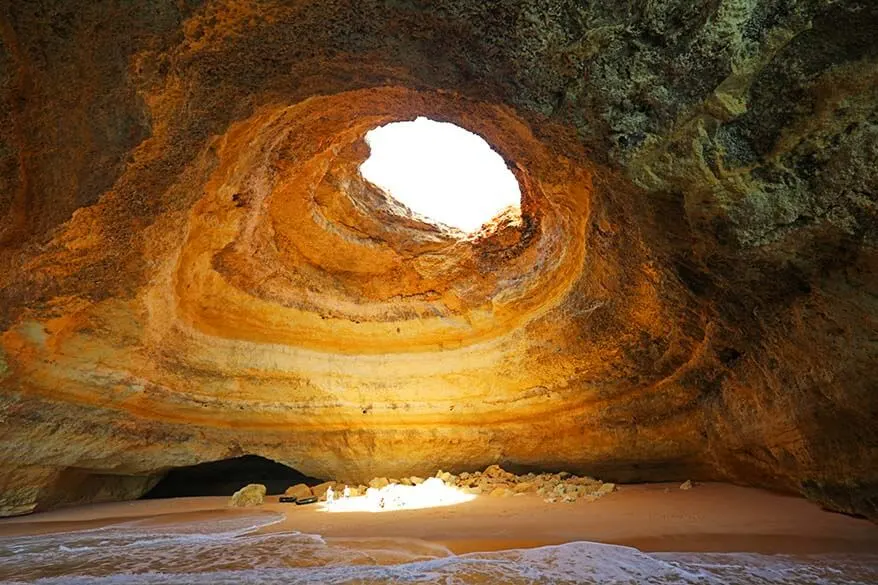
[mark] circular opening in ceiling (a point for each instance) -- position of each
(441, 172)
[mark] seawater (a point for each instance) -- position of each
(230, 551)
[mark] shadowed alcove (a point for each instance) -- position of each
(224, 477)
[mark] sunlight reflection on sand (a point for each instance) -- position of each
(432, 493)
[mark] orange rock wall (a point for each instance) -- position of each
(192, 267)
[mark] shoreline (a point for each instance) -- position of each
(711, 517)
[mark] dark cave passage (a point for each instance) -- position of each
(224, 477)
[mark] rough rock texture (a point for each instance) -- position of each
(494, 481)
(192, 269)
(248, 496)
(300, 490)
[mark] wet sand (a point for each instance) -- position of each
(654, 518)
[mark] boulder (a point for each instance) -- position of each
(416, 480)
(300, 490)
(607, 488)
(247, 496)
(497, 472)
(379, 482)
(501, 492)
(686, 485)
(446, 477)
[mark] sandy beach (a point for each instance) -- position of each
(653, 518)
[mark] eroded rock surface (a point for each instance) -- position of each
(192, 268)
(494, 481)
(248, 496)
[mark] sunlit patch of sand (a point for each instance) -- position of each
(433, 493)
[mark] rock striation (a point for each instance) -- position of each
(192, 268)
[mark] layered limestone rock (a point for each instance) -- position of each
(193, 269)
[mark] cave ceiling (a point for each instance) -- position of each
(193, 269)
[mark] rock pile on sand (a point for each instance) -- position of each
(494, 481)
(552, 487)
(497, 482)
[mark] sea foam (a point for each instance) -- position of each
(230, 551)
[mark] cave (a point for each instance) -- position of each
(226, 476)
(193, 266)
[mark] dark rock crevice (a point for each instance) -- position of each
(224, 477)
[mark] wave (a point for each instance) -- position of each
(231, 551)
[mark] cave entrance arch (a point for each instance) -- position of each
(225, 477)
(441, 172)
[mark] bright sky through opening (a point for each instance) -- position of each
(441, 172)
